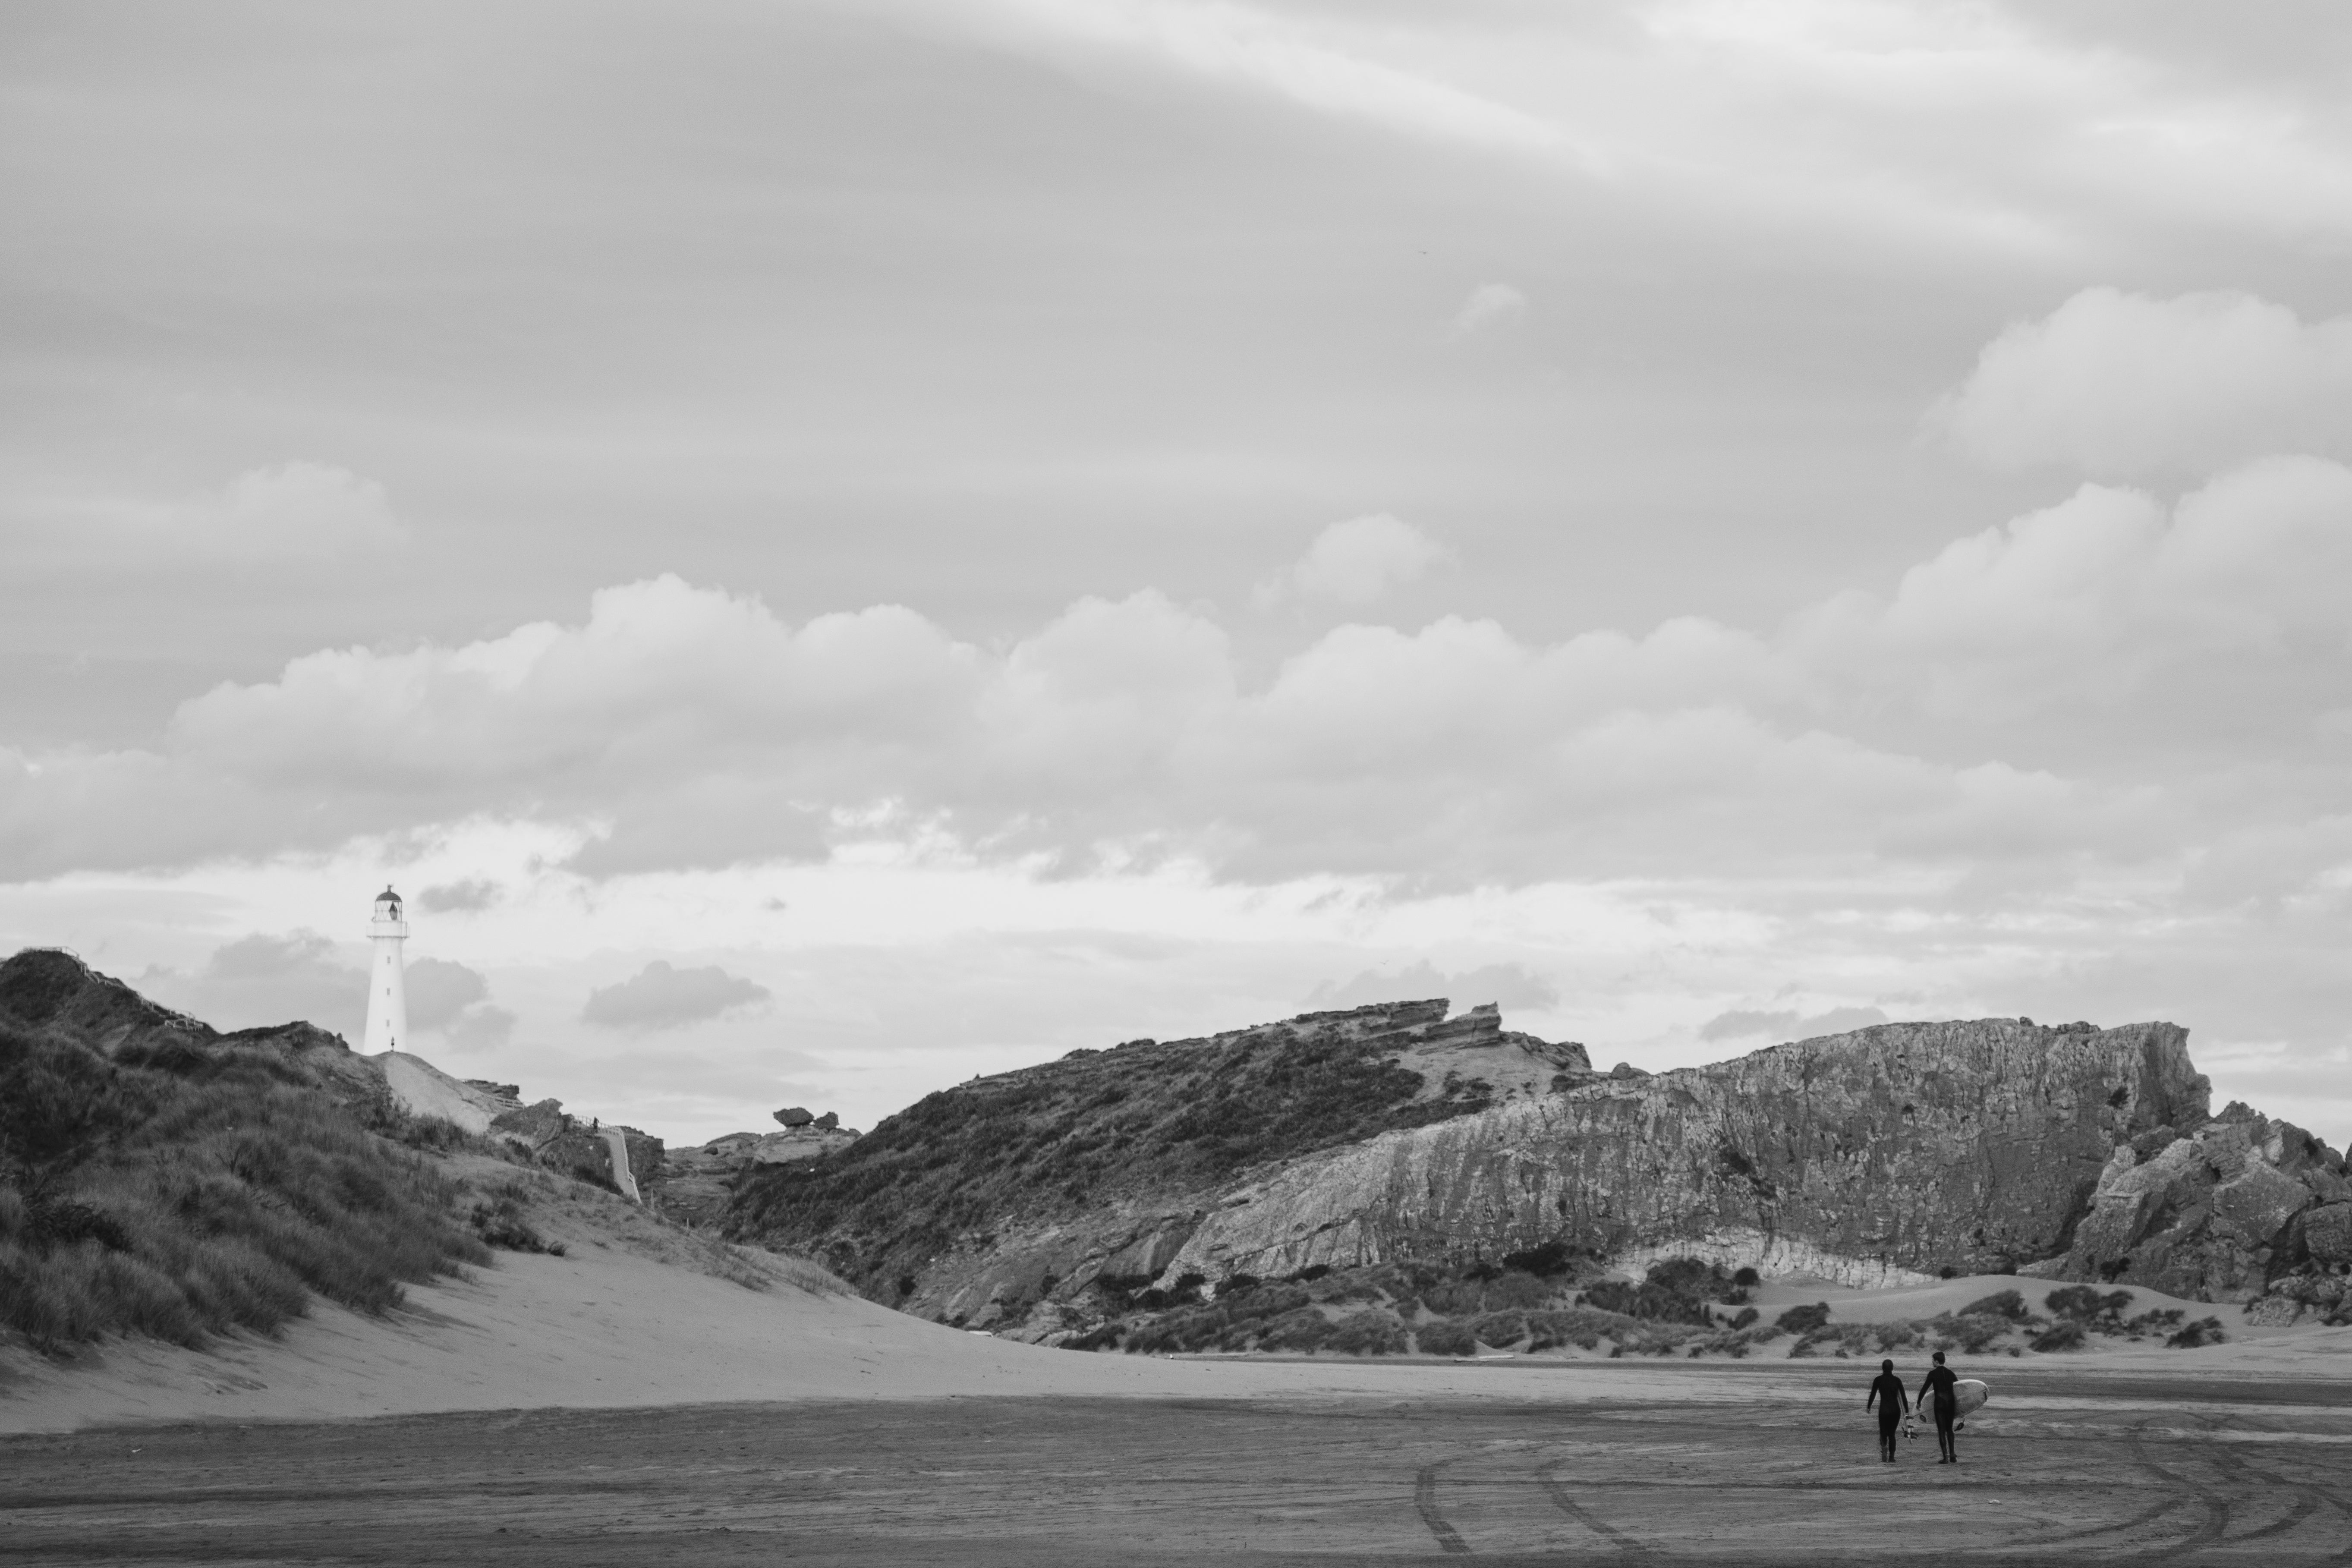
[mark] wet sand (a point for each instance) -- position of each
(1710, 1464)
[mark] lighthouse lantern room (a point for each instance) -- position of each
(387, 1015)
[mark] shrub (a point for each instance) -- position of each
(1747, 1317)
(1444, 1336)
(185, 1189)
(1459, 1297)
(1971, 1331)
(1303, 1329)
(499, 1221)
(1688, 1277)
(2067, 1335)
(1999, 1304)
(1514, 1288)
(1189, 1329)
(2204, 1332)
(1748, 1279)
(1506, 1327)
(1236, 1283)
(1648, 1301)
(1263, 1302)
(2082, 1304)
(1579, 1326)
(2155, 1322)
(1372, 1332)
(1545, 1262)
(1803, 1320)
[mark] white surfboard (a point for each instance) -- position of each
(1969, 1395)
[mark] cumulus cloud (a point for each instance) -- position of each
(1489, 306)
(660, 996)
(1358, 563)
(1509, 985)
(2026, 692)
(2083, 602)
(1741, 1024)
(2118, 385)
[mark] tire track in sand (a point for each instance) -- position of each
(1425, 1503)
(2306, 1501)
(1567, 1505)
(2216, 1506)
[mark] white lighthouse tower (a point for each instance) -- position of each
(387, 1023)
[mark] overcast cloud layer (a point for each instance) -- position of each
(829, 549)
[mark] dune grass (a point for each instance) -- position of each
(186, 1191)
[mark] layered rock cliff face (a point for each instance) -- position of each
(1901, 1149)
(1881, 1156)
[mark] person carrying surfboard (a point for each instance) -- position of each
(1886, 1392)
(1941, 1386)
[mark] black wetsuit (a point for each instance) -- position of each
(1886, 1392)
(1942, 1387)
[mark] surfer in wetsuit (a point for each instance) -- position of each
(1942, 1386)
(1886, 1392)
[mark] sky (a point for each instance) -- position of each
(829, 549)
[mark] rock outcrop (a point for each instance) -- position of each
(2221, 1211)
(698, 1183)
(1886, 1155)
(1897, 1151)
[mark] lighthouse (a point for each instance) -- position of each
(387, 1023)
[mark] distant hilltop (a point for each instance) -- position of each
(1043, 1202)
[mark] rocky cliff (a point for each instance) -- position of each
(1901, 1149)
(1880, 1156)
(2236, 1208)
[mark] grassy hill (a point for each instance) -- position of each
(1075, 1151)
(158, 1178)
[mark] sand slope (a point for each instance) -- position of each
(606, 1327)
(640, 1313)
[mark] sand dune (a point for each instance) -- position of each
(640, 1313)
(608, 1327)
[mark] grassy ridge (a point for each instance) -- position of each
(1065, 1138)
(182, 1188)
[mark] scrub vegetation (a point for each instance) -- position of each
(1534, 1302)
(181, 1189)
(1544, 1300)
(159, 1178)
(1033, 1147)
